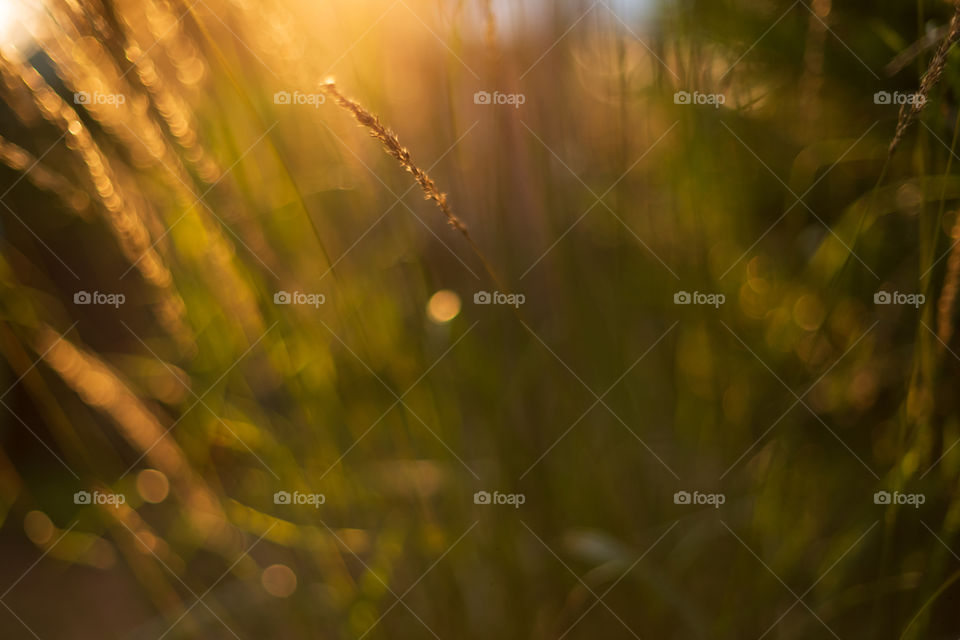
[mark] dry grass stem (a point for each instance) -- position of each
(910, 110)
(391, 144)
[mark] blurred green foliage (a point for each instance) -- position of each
(598, 199)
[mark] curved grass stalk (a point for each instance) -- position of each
(391, 145)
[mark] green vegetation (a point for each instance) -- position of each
(547, 320)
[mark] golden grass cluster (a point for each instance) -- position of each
(165, 180)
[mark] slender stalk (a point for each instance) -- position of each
(910, 111)
(391, 144)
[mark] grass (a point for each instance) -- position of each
(296, 320)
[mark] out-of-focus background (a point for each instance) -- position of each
(690, 371)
